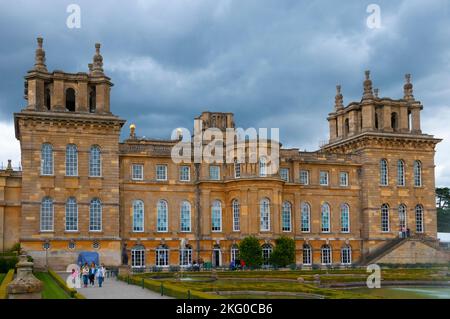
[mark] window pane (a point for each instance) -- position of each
(71, 215)
(236, 216)
(138, 216)
(345, 219)
(137, 172)
(162, 223)
(95, 215)
(325, 218)
(161, 172)
(95, 165)
(286, 217)
(214, 172)
(323, 178)
(47, 214)
(304, 177)
(264, 215)
(343, 179)
(384, 218)
(419, 219)
(417, 173)
(400, 173)
(216, 216)
(71, 160)
(47, 159)
(185, 216)
(383, 173)
(284, 174)
(185, 172)
(305, 227)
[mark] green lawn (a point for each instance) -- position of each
(51, 288)
(1, 277)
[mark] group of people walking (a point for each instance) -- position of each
(92, 272)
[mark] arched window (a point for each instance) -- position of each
(402, 217)
(262, 167)
(236, 215)
(138, 216)
(48, 98)
(347, 127)
(325, 255)
(234, 253)
(71, 160)
(92, 99)
(95, 161)
(400, 173)
(216, 216)
(266, 252)
(346, 255)
(385, 218)
(95, 215)
(186, 256)
(345, 218)
(264, 214)
(71, 214)
(70, 100)
(47, 159)
(162, 216)
(138, 256)
(417, 173)
(185, 216)
(325, 218)
(162, 256)
(383, 172)
(394, 121)
(286, 217)
(419, 219)
(306, 215)
(47, 214)
(307, 254)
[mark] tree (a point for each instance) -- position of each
(443, 209)
(250, 252)
(284, 252)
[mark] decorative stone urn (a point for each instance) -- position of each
(25, 285)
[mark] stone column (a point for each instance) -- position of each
(25, 285)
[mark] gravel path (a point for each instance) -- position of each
(116, 289)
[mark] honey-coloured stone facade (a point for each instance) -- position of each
(74, 109)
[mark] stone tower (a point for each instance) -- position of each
(397, 162)
(70, 182)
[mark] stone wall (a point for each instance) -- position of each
(414, 251)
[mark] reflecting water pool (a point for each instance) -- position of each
(407, 292)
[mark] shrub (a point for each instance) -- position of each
(251, 252)
(284, 252)
(7, 263)
(3, 287)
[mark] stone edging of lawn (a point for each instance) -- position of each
(269, 293)
(388, 283)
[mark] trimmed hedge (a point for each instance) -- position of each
(7, 262)
(168, 289)
(73, 293)
(3, 287)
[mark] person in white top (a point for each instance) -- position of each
(101, 275)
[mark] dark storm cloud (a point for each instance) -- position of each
(272, 63)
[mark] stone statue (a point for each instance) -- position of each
(25, 285)
(124, 255)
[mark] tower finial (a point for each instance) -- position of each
(97, 67)
(408, 88)
(39, 63)
(339, 99)
(368, 94)
(132, 131)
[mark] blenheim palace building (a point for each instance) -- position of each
(367, 195)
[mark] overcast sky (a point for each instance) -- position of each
(272, 63)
